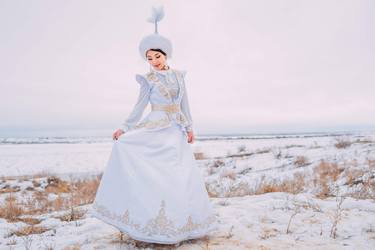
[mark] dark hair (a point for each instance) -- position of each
(158, 50)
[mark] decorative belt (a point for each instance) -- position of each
(166, 107)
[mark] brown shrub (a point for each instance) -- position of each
(229, 174)
(371, 164)
(8, 189)
(199, 156)
(352, 176)
(294, 185)
(56, 185)
(326, 173)
(11, 209)
(31, 229)
(301, 161)
(342, 143)
(72, 215)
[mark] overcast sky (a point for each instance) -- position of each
(251, 65)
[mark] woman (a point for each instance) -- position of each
(152, 188)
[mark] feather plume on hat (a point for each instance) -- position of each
(155, 41)
(156, 16)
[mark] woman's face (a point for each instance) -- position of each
(156, 59)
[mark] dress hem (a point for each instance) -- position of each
(213, 226)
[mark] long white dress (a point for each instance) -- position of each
(152, 188)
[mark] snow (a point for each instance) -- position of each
(254, 221)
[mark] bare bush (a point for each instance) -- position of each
(336, 215)
(326, 173)
(229, 174)
(294, 185)
(301, 161)
(342, 143)
(11, 208)
(199, 156)
(241, 148)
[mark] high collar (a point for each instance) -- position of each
(162, 72)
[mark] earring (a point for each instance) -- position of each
(166, 67)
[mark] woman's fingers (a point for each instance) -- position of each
(115, 135)
(190, 137)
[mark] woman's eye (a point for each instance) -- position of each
(157, 56)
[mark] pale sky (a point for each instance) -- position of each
(251, 65)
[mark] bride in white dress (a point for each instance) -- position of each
(152, 188)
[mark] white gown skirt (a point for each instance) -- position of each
(152, 188)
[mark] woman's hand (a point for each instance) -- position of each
(190, 137)
(117, 134)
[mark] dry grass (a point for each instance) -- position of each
(294, 146)
(294, 185)
(73, 247)
(263, 151)
(69, 194)
(214, 166)
(72, 215)
(241, 189)
(11, 209)
(353, 176)
(301, 161)
(229, 174)
(268, 233)
(336, 215)
(362, 179)
(29, 220)
(40, 174)
(210, 192)
(199, 156)
(364, 141)
(8, 189)
(56, 185)
(326, 173)
(31, 229)
(371, 164)
(342, 143)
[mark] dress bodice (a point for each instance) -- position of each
(160, 87)
(169, 79)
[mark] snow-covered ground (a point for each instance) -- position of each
(269, 192)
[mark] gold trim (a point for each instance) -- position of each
(159, 225)
(150, 124)
(172, 108)
(162, 89)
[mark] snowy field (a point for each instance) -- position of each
(291, 191)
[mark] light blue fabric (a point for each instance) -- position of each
(150, 92)
(152, 187)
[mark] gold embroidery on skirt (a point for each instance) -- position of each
(159, 225)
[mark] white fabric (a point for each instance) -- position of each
(149, 93)
(153, 189)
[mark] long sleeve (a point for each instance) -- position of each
(140, 105)
(185, 108)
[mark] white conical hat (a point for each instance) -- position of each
(155, 41)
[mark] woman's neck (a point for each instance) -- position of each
(161, 70)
